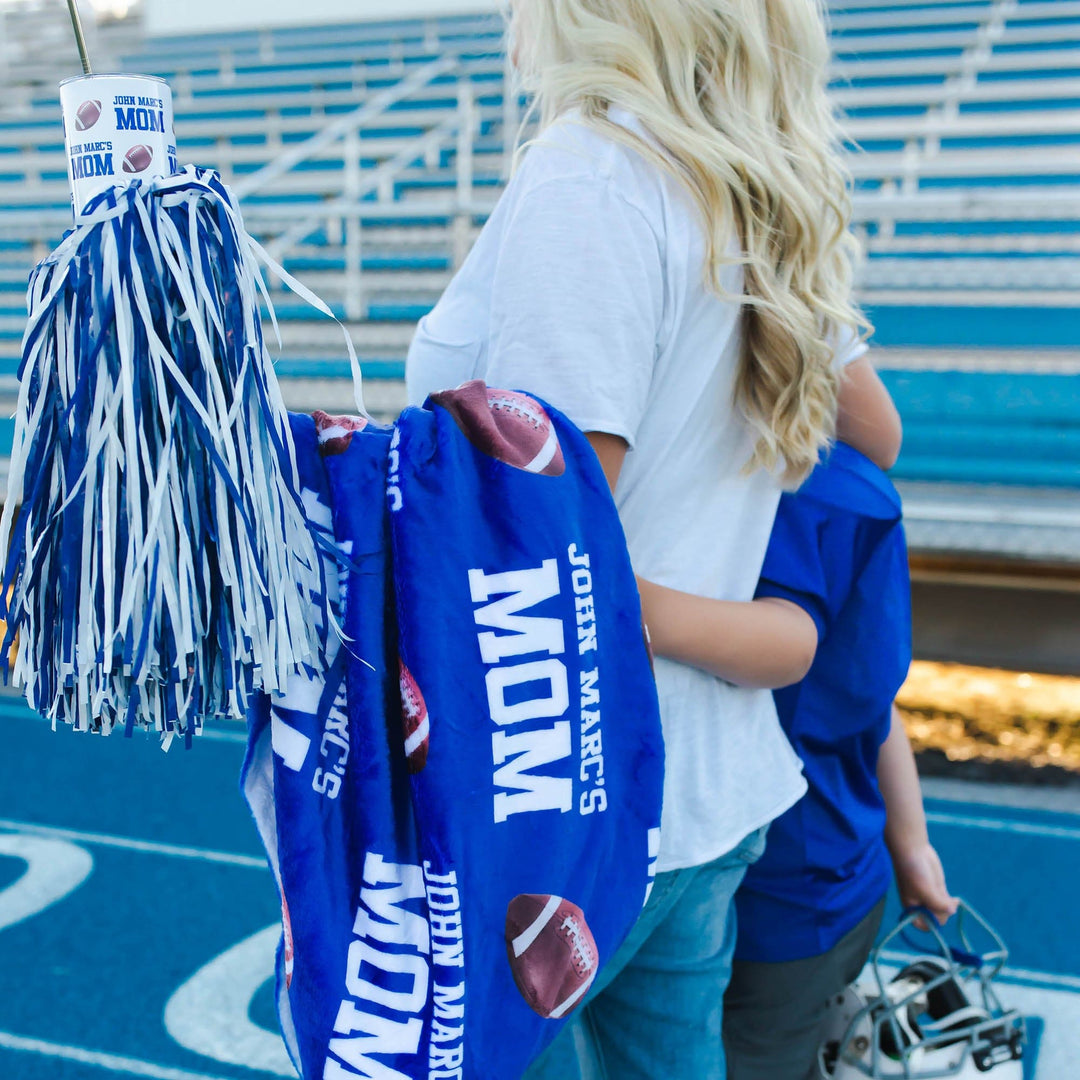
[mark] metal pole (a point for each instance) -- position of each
(466, 130)
(466, 127)
(354, 306)
(510, 120)
(80, 40)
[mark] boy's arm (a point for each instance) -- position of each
(766, 643)
(920, 878)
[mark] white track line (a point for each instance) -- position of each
(1045, 980)
(991, 798)
(935, 817)
(1023, 828)
(148, 846)
(210, 1014)
(1042, 979)
(54, 870)
(114, 1062)
(16, 708)
(220, 735)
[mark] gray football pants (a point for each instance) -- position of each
(774, 1013)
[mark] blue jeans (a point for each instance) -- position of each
(656, 1009)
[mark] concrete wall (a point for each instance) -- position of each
(195, 16)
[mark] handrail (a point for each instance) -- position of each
(347, 210)
(376, 105)
(377, 177)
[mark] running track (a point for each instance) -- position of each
(138, 919)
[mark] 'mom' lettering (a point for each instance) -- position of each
(86, 165)
(387, 967)
(523, 692)
(131, 119)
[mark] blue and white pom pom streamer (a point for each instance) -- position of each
(161, 566)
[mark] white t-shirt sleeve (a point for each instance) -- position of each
(849, 346)
(577, 303)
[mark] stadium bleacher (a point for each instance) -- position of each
(367, 157)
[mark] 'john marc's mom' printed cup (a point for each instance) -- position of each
(117, 128)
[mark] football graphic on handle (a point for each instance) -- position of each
(87, 115)
(336, 432)
(414, 717)
(287, 941)
(138, 158)
(552, 953)
(510, 427)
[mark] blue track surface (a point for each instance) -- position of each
(155, 872)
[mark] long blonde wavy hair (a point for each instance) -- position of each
(733, 93)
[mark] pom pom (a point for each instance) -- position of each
(161, 564)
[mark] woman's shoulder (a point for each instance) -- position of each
(572, 152)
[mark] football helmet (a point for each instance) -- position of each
(938, 1016)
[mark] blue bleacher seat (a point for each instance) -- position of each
(964, 326)
(968, 427)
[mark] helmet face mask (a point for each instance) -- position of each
(939, 1016)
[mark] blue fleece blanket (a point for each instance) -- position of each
(462, 808)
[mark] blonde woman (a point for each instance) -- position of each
(671, 267)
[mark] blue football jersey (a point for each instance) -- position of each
(838, 551)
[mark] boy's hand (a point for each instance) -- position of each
(920, 881)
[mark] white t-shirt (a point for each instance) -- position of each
(586, 288)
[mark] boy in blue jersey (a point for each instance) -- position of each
(809, 910)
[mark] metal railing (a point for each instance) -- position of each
(341, 216)
(351, 122)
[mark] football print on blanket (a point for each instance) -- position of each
(552, 953)
(414, 717)
(287, 942)
(336, 432)
(511, 427)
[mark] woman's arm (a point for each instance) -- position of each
(867, 418)
(920, 878)
(764, 643)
